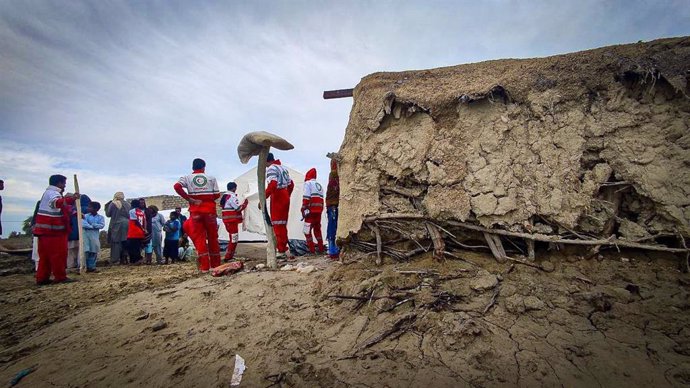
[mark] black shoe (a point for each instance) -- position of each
(92, 270)
(44, 283)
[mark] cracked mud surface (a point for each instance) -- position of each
(589, 323)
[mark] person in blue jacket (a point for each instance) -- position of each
(92, 225)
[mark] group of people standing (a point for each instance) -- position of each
(135, 227)
(201, 191)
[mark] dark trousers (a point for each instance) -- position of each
(332, 212)
(170, 250)
(134, 249)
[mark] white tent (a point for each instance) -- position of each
(252, 228)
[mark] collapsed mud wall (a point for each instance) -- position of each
(594, 143)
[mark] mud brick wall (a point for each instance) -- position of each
(595, 142)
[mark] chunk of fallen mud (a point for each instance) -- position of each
(548, 266)
(483, 282)
(515, 304)
(533, 303)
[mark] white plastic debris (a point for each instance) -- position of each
(260, 266)
(306, 269)
(288, 267)
(239, 370)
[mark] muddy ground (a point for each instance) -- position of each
(620, 321)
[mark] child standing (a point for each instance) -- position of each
(172, 236)
(92, 224)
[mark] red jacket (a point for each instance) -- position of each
(277, 178)
(52, 217)
(201, 187)
(312, 198)
(232, 209)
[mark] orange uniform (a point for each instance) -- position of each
(232, 217)
(279, 188)
(204, 231)
(52, 227)
(312, 207)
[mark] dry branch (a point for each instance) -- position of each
(401, 324)
(492, 302)
(437, 239)
(534, 236)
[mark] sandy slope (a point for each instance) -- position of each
(576, 326)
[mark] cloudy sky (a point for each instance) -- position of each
(127, 93)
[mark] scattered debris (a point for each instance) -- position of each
(238, 371)
(142, 315)
(160, 325)
(401, 324)
(227, 268)
(301, 267)
(276, 379)
(21, 374)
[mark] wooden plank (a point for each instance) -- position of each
(340, 93)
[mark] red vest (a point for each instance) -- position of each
(50, 219)
(312, 198)
(134, 230)
(232, 211)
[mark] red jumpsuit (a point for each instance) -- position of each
(232, 217)
(279, 189)
(52, 227)
(312, 207)
(204, 231)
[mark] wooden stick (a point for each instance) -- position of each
(359, 298)
(535, 236)
(404, 192)
(684, 263)
(271, 261)
(400, 324)
(377, 233)
(527, 263)
(530, 250)
(460, 258)
(437, 240)
(499, 246)
(496, 248)
(492, 302)
(82, 259)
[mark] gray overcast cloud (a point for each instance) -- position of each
(127, 93)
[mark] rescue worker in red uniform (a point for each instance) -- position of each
(52, 226)
(279, 188)
(202, 192)
(232, 217)
(312, 208)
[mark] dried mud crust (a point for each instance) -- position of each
(613, 322)
(511, 142)
(27, 308)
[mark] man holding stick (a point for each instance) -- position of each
(52, 227)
